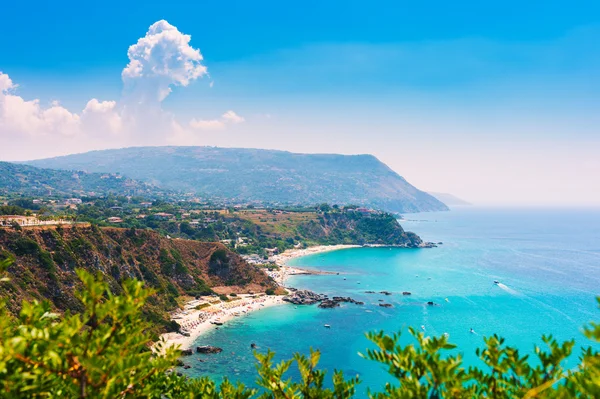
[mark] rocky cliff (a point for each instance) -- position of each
(46, 259)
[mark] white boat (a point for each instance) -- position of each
(327, 326)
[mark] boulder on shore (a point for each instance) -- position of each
(186, 352)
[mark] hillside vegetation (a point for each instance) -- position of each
(46, 259)
(246, 175)
(32, 181)
(325, 228)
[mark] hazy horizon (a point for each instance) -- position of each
(478, 101)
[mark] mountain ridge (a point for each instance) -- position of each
(258, 175)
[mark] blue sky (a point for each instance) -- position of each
(497, 103)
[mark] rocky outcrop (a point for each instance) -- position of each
(306, 297)
(208, 349)
(336, 300)
(386, 305)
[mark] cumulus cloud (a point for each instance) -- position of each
(228, 118)
(158, 62)
(19, 116)
(102, 116)
(161, 59)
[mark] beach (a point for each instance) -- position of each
(195, 322)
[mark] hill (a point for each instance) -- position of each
(450, 200)
(46, 259)
(246, 175)
(33, 181)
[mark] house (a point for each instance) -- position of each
(364, 211)
(114, 219)
(163, 215)
(38, 201)
(8, 220)
(75, 201)
(146, 204)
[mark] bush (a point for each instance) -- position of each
(25, 246)
(270, 291)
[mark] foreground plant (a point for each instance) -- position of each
(104, 353)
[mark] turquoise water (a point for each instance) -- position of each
(548, 263)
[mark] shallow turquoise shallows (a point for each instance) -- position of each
(547, 263)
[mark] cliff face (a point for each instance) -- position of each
(46, 259)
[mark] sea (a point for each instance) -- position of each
(546, 263)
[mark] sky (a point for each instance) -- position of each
(498, 103)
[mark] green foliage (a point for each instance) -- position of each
(25, 246)
(103, 353)
(11, 210)
(100, 353)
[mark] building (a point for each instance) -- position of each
(75, 201)
(114, 219)
(8, 220)
(163, 215)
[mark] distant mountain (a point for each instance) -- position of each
(450, 200)
(259, 175)
(33, 181)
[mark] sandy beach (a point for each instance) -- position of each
(196, 322)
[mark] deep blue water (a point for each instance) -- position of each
(548, 263)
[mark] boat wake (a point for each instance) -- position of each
(508, 289)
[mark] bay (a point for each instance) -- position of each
(546, 260)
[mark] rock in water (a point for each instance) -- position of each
(208, 349)
(186, 352)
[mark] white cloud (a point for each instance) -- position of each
(159, 60)
(228, 118)
(212, 124)
(6, 83)
(102, 116)
(232, 117)
(19, 116)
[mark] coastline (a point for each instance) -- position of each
(197, 322)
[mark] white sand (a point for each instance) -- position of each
(197, 322)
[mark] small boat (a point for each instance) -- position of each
(327, 326)
(472, 331)
(496, 282)
(423, 327)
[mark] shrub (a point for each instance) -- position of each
(25, 246)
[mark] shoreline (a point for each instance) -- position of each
(195, 322)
